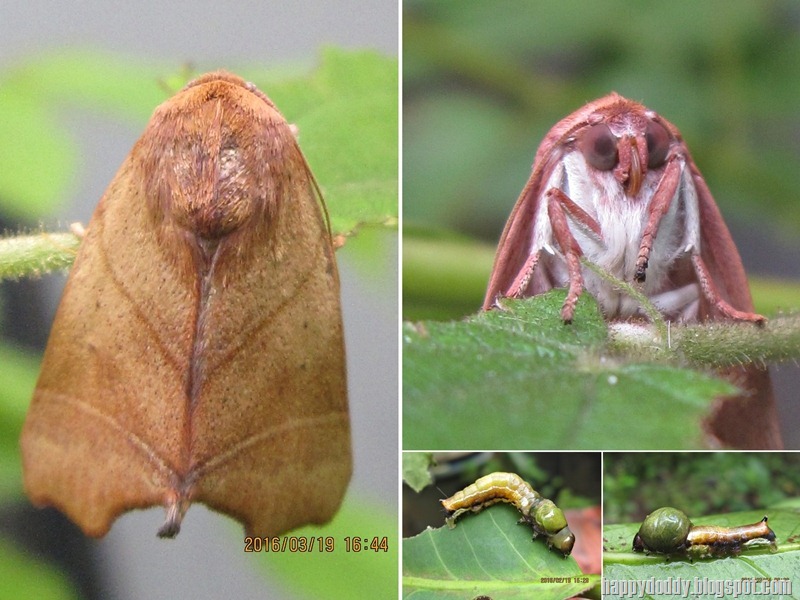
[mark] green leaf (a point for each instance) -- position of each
(621, 563)
(39, 146)
(415, 469)
(519, 377)
(346, 113)
(489, 554)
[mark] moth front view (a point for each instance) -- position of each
(198, 354)
(614, 182)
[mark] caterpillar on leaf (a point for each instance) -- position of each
(541, 514)
(669, 531)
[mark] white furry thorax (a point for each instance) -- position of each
(622, 221)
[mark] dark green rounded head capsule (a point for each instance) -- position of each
(663, 530)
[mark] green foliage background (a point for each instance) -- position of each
(484, 81)
(635, 484)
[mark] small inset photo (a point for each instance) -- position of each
(495, 525)
(701, 525)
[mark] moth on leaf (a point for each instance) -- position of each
(197, 354)
(614, 182)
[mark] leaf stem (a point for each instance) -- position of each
(33, 255)
(626, 288)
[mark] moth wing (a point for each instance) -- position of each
(162, 386)
(99, 435)
(757, 405)
(517, 238)
(275, 451)
(719, 252)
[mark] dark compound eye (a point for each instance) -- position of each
(599, 147)
(657, 144)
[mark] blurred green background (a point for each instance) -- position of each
(484, 81)
(700, 483)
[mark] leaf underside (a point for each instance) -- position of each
(518, 378)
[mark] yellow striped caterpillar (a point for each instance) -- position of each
(669, 531)
(541, 514)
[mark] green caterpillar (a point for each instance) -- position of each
(543, 516)
(669, 531)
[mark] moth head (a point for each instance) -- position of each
(629, 154)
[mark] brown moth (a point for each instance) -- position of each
(615, 182)
(197, 354)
